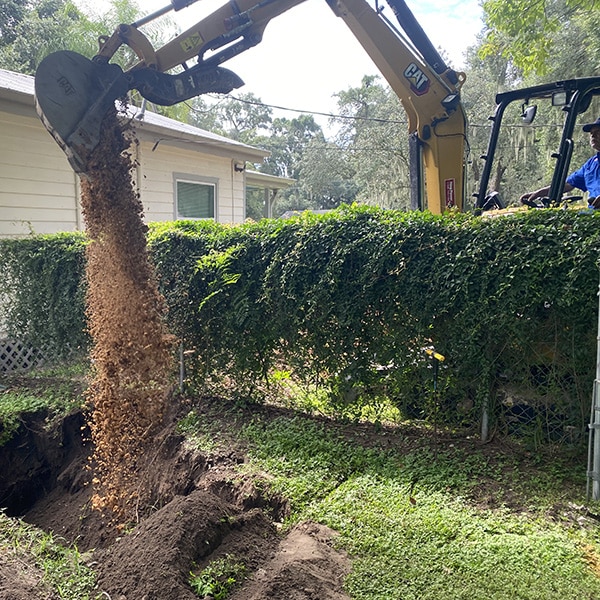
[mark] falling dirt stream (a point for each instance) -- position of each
(132, 349)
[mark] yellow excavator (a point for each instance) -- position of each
(74, 93)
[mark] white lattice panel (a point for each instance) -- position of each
(16, 356)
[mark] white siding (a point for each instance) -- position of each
(39, 192)
(38, 189)
(156, 181)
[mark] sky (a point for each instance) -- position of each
(308, 54)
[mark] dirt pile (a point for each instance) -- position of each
(132, 352)
(304, 567)
(204, 510)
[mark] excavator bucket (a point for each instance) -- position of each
(72, 96)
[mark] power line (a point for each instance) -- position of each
(485, 125)
(311, 112)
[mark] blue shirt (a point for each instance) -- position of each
(587, 178)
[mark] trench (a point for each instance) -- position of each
(33, 459)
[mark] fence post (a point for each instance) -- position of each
(181, 366)
(593, 470)
(485, 420)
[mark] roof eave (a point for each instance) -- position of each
(181, 138)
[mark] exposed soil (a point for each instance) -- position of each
(202, 510)
(20, 580)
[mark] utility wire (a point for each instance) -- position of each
(307, 112)
(485, 125)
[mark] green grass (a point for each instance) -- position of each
(54, 391)
(437, 546)
(13, 405)
(62, 568)
(196, 430)
(412, 524)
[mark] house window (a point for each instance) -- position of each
(195, 199)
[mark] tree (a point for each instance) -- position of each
(374, 133)
(39, 28)
(326, 175)
(244, 118)
(287, 141)
(485, 78)
(12, 12)
(525, 31)
(199, 113)
(30, 30)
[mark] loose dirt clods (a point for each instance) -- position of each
(132, 349)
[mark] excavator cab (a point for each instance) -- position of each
(515, 112)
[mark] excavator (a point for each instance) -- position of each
(74, 93)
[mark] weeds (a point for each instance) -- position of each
(15, 404)
(54, 391)
(197, 432)
(218, 578)
(62, 568)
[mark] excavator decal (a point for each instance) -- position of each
(450, 189)
(419, 82)
(192, 43)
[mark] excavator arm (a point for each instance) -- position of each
(73, 93)
(429, 92)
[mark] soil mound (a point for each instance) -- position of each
(155, 560)
(203, 509)
(305, 566)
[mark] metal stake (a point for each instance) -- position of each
(593, 470)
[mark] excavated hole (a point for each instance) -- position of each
(32, 461)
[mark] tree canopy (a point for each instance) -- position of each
(525, 31)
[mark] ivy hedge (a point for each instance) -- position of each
(42, 296)
(349, 301)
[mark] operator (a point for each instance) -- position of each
(587, 178)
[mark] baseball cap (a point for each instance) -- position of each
(588, 126)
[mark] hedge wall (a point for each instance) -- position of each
(42, 292)
(348, 301)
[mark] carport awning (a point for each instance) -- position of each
(264, 180)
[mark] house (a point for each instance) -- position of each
(183, 172)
